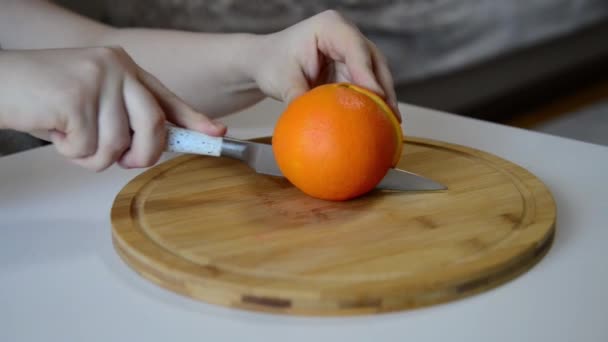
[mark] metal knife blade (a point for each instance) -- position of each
(260, 157)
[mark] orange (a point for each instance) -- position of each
(337, 141)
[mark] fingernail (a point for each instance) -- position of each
(220, 126)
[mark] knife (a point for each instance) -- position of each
(260, 157)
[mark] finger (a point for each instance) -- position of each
(147, 121)
(342, 74)
(328, 72)
(114, 133)
(348, 45)
(76, 135)
(177, 111)
(384, 76)
(296, 85)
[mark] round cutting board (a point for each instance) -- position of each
(212, 229)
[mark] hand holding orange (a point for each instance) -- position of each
(337, 141)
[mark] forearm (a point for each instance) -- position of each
(35, 24)
(212, 72)
(206, 70)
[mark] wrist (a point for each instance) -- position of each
(248, 58)
(265, 64)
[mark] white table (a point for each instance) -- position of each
(60, 279)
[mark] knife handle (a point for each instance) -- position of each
(186, 141)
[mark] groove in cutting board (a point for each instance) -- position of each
(212, 229)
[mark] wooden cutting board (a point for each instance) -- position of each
(212, 229)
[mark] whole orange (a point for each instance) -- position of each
(337, 141)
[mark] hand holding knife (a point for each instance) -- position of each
(260, 157)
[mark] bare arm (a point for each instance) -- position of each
(101, 104)
(212, 72)
(31, 24)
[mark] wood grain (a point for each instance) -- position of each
(212, 229)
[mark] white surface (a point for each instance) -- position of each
(60, 279)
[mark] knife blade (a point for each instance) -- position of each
(260, 158)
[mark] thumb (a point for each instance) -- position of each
(177, 111)
(296, 86)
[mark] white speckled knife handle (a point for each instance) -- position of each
(186, 141)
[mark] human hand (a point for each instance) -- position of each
(324, 48)
(94, 104)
